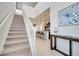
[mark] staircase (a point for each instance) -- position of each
(17, 43)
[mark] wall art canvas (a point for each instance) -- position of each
(69, 15)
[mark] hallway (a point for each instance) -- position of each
(43, 48)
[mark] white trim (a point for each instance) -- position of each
(18, 12)
(2, 24)
(6, 18)
(31, 32)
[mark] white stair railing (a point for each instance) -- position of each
(31, 32)
(4, 28)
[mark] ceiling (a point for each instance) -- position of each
(31, 4)
(42, 18)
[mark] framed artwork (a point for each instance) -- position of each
(69, 15)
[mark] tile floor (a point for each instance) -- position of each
(43, 48)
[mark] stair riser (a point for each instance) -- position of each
(15, 31)
(15, 53)
(17, 26)
(15, 47)
(15, 37)
(19, 23)
(7, 53)
(10, 44)
(11, 34)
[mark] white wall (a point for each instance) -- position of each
(55, 7)
(5, 24)
(39, 8)
(30, 4)
(31, 31)
(18, 12)
(5, 8)
(72, 30)
(29, 10)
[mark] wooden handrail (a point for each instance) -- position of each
(64, 38)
